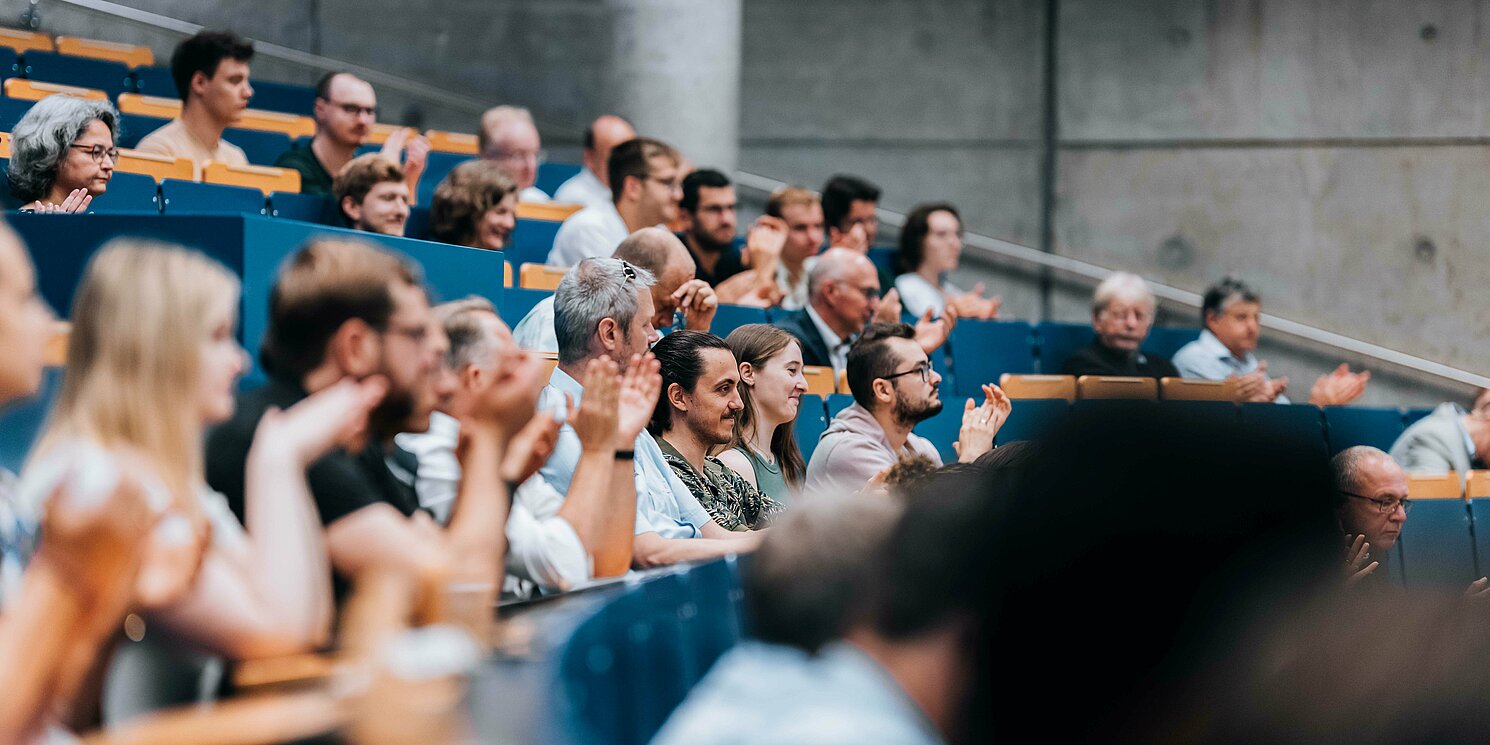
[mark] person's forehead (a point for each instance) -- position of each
(611, 132)
(802, 214)
(661, 165)
(908, 351)
(942, 220)
(720, 365)
(348, 89)
(1118, 303)
(1383, 477)
(95, 132)
(863, 207)
(1237, 305)
(228, 67)
(389, 188)
(494, 328)
(716, 195)
(865, 271)
(516, 132)
(409, 300)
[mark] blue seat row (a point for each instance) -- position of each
(1020, 348)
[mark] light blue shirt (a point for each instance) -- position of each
(764, 694)
(1208, 359)
(663, 504)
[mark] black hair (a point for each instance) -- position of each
(1217, 294)
(631, 158)
(681, 360)
(871, 358)
(840, 193)
(202, 53)
(703, 177)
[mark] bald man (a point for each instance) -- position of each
(843, 289)
(591, 186)
(346, 109)
(664, 255)
(509, 137)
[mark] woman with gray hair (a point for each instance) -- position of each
(63, 153)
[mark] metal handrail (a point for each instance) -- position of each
(988, 246)
(995, 248)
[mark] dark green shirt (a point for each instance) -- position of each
(314, 178)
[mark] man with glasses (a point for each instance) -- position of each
(346, 109)
(646, 187)
(1122, 313)
(843, 290)
(1372, 505)
(508, 137)
(894, 389)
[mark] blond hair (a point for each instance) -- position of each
(790, 196)
(139, 320)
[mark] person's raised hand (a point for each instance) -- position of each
(506, 399)
(416, 156)
(393, 147)
(981, 423)
(699, 304)
(530, 448)
(1252, 387)
(640, 387)
(332, 417)
(764, 241)
(856, 239)
(1358, 563)
(1338, 387)
(598, 416)
(888, 311)
(931, 333)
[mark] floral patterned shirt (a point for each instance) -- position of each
(730, 500)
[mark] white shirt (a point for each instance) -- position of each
(584, 188)
(593, 232)
(916, 294)
(542, 548)
(794, 296)
(535, 332)
(533, 194)
(837, 346)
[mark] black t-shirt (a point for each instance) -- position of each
(341, 482)
(314, 178)
(1096, 359)
(730, 263)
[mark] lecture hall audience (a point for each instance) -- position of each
(346, 108)
(62, 154)
(211, 74)
(372, 195)
(646, 186)
(591, 186)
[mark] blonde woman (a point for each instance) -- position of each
(152, 361)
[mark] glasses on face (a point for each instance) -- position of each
(96, 152)
(924, 369)
(517, 156)
(1123, 314)
(672, 184)
(1384, 506)
(352, 109)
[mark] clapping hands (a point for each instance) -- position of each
(981, 423)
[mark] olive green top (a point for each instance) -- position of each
(768, 477)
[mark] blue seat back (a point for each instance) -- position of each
(884, 260)
(1347, 426)
(984, 350)
(731, 317)
(531, 241)
(303, 207)
(134, 127)
(418, 224)
(10, 63)
(838, 402)
(1032, 419)
(1479, 517)
(261, 148)
(283, 97)
(110, 77)
(516, 302)
(1164, 341)
(812, 420)
(128, 192)
(11, 111)
(436, 167)
(1411, 416)
(190, 198)
(1436, 544)
(552, 175)
(1289, 425)
(157, 81)
(21, 421)
(1056, 342)
(942, 430)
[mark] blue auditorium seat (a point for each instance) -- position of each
(21, 422)
(1289, 425)
(283, 97)
(1410, 416)
(436, 167)
(942, 429)
(157, 81)
(516, 302)
(1479, 517)
(1164, 341)
(302, 207)
(1032, 419)
(984, 350)
(11, 111)
(838, 402)
(552, 175)
(1056, 342)
(731, 317)
(190, 198)
(1347, 426)
(418, 224)
(128, 192)
(811, 421)
(1436, 544)
(134, 127)
(110, 77)
(531, 241)
(10, 63)
(262, 148)
(884, 258)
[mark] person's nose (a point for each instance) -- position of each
(936, 378)
(799, 384)
(734, 403)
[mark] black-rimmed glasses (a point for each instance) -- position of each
(1384, 506)
(96, 152)
(924, 368)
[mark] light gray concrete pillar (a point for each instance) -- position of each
(675, 74)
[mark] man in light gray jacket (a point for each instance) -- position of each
(1447, 440)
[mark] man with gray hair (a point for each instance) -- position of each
(603, 310)
(843, 290)
(659, 252)
(509, 137)
(1122, 313)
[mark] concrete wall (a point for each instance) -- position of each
(1333, 152)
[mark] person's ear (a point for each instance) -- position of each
(199, 82)
(677, 397)
(610, 335)
(352, 209)
(884, 390)
(631, 188)
(356, 348)
(747, 373)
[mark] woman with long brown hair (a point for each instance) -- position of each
(764, 451)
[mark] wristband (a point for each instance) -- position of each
(625, 455)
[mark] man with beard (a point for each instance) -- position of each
(695, 413)
(346, 109)
(894, 388)
(709, 219)
(344, 308)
